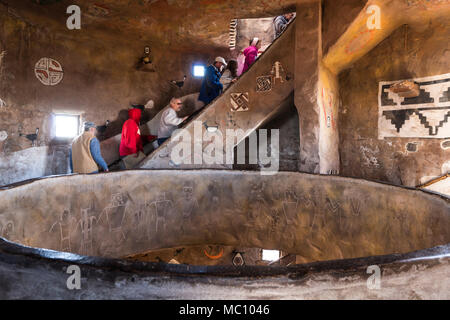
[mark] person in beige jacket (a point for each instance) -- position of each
(85, 155)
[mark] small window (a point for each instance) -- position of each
(67, 126)
(199, 71)
(270, 255)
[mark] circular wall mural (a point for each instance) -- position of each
(49, 71)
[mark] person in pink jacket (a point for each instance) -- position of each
(251, 53)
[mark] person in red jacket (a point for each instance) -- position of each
(131, 141)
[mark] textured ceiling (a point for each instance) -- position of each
(186, 23)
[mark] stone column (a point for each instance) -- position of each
(308, 54)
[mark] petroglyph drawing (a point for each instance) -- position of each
(187, 203)
(402, 220)
(318, 219)
(276, 219)
(115, 215)
(307, 200)
(7, 229)
(161, 209)
(334, 207)
(117, 200)
(355, 205)
(396, 224)
(65, 224)
(290, 204)
(86, 224)
(141, 221)
(260, 213)
(314, 203)
(278, 72)
(49, 71)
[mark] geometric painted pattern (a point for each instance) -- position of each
(239, 102)
(49, 71)
(424, 116)
(233, 34)
(263, 83)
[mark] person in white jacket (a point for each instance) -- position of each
(169, 120)
(230, 74)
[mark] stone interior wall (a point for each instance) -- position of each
(247, 29)
(100, 82)
(125, 213)
(337, 16)
(407, 54)
(245, 105)
(287, 124)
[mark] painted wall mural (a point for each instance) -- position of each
(126, 213)
(239, 102)
(266, 83)
(49, 71)
(278, 72)
(424, 116)
(233, 34)
(359, 41)
(328, 101)
(263, 83)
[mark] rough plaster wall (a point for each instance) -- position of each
(407, 53)
(100, 82)
(287, 124)
(316, 217)
(307, 55)
(443, 186)
(337, 16)
(250, 28)
(26, 164)
(27, 273)
(328, 98)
